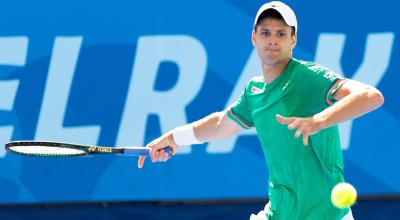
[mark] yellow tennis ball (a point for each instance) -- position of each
(343, 195)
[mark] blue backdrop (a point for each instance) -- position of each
(123, 72)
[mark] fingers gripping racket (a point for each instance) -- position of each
(57, 149)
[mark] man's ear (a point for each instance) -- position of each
(294, 41)
(253, 37)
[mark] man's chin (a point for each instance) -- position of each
(271, 62)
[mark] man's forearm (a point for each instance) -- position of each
(208, 128)
(215, 126)
(351, 106)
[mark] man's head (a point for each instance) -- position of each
(282, 11)
(275, 32)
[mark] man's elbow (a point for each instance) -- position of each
(375, 97)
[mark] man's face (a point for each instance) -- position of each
(273, 41)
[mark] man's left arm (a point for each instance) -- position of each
(354, 99)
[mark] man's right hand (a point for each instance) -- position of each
(157, 153)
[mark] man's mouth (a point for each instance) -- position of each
(272, 50)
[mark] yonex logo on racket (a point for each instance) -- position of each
(105, 149)
(99, 149)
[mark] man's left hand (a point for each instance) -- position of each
(305, 126)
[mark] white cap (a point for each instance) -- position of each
(286, 12)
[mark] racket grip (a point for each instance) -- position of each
(144, 151)
(168, 150)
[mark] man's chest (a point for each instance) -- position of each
(282, 99)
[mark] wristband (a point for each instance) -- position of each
(184, 135)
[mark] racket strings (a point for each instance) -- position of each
(47, 151)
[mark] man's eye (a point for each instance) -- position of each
(281, 34)
(265, 33)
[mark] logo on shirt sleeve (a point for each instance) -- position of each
(331, 75)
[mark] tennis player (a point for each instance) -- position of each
(295, 107)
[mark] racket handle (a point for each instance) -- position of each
(144, 151)
(168, 150)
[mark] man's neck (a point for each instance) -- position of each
(271, 72)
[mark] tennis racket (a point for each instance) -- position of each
(57, 149)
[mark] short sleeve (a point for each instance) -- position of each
(239, 112)
(320, 84)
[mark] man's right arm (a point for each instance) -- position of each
(212, 127)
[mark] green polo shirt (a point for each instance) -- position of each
(300, 178)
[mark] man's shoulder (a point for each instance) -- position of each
(307, 70)
(309, 67)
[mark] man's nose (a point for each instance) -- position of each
(273, 42)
